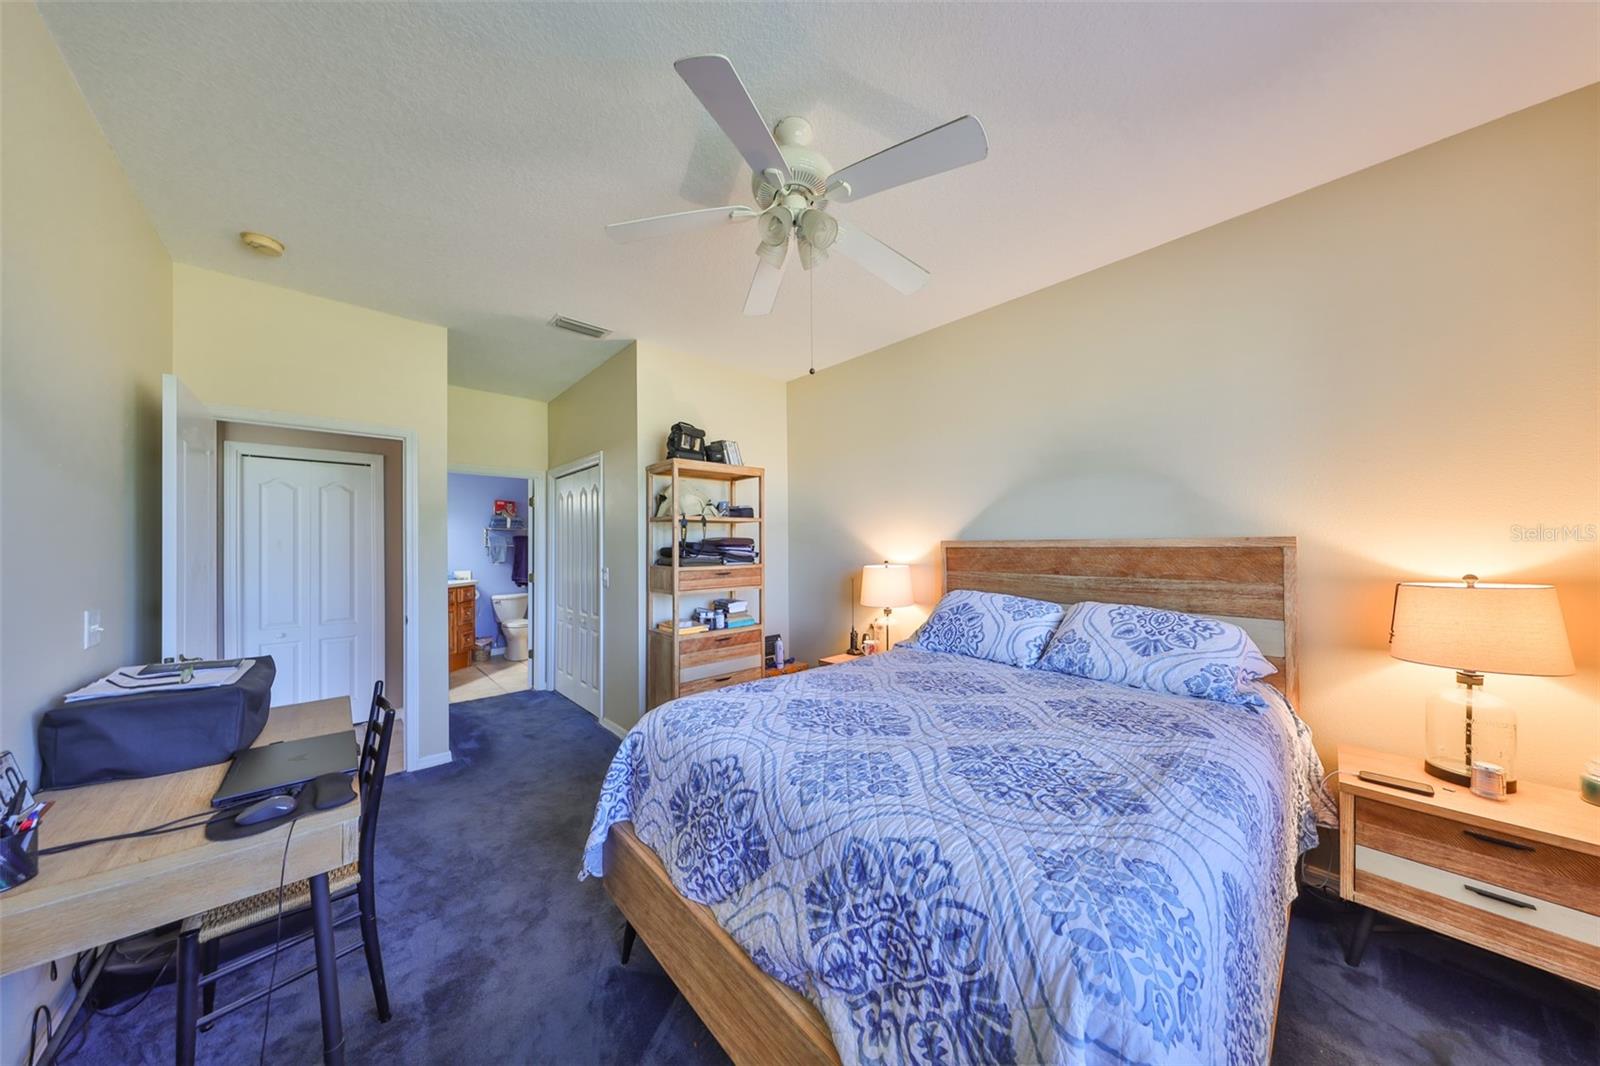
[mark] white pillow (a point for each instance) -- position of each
(988, 625)
(1160, 651)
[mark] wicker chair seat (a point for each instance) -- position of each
(263, 906)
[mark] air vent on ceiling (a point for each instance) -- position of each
(572, 325)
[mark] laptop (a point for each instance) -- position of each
(275, 768)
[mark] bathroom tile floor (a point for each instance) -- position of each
(493, 678)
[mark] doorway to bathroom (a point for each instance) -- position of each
(490, 556)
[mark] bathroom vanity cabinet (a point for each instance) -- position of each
(463, 628)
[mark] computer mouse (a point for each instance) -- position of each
(265, 810)
(331, 790)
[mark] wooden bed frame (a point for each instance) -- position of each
(759, 1020)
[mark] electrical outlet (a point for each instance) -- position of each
(92, 629)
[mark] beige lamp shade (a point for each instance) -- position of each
(1481, 628)
(886, 585)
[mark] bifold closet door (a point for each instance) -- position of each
(307, 573)
(575, 524)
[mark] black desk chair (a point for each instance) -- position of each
(200, 937)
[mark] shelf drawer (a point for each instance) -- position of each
(1544, 871)
(706, 578)
(719, 645)
(745, 659)
(689, 688)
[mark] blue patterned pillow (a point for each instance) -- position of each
(1162, 651)
(986, 625)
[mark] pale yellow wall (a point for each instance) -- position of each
(1398, 368)
(729, 405)
(87, 333)
(491, 433)
(244, 344)
(599, 415)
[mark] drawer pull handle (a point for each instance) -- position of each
(729, 677)
(722, 640)
(1499, 842)
(1498, 898)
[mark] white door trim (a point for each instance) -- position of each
(536, 562)
(181, 413)
(233, 455)
(410, 733)
(547, 594)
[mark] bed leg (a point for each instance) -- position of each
(629, 935)
(1358, 939)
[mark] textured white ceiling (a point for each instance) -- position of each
(455, 162)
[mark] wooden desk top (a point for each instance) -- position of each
(1555, 816)
(93, 895)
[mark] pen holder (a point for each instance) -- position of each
(19, 858)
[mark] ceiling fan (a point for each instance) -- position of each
(795, 186)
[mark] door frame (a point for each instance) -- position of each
(537, 559)
(547, 598)
(233, 455)
(411, 733)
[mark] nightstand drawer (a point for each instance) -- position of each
(1544, 871)
(1479, 894)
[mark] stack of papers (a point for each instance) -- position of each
(127, 682)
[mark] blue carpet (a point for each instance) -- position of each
(497, 954)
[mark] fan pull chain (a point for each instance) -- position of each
(813, 280)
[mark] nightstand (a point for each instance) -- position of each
(835, 660)
(1520, 877)
(793, 668)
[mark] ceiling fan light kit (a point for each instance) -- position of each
(793, 185)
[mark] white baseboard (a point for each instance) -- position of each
(613, 728)
(425, 761)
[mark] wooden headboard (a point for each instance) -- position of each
(1248, 580)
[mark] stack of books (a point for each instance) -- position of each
(740, 619)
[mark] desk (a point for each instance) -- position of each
(89, 897)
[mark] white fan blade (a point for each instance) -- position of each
(955, 144)
(879, 259)
(639, 229)
(764, 286)
(717, 84)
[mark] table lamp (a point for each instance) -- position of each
(1476, 628)
(886, 585)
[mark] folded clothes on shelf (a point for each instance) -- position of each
(711, 551)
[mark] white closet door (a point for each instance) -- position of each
(575, 522)
(310, 575)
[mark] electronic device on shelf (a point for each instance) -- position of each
(724, 451)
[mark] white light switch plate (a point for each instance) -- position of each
(92, 629)
(605, 577)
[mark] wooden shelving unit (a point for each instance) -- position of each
(683, 664)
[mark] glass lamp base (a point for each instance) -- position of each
(1456, 772)
(1467, 725)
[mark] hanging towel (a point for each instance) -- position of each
(519, 560)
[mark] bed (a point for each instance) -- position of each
(926, 857)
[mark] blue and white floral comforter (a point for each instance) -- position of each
(965, 862)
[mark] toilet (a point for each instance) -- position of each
(512, 611)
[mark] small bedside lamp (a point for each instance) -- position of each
(887, 586)
(1477, 628)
